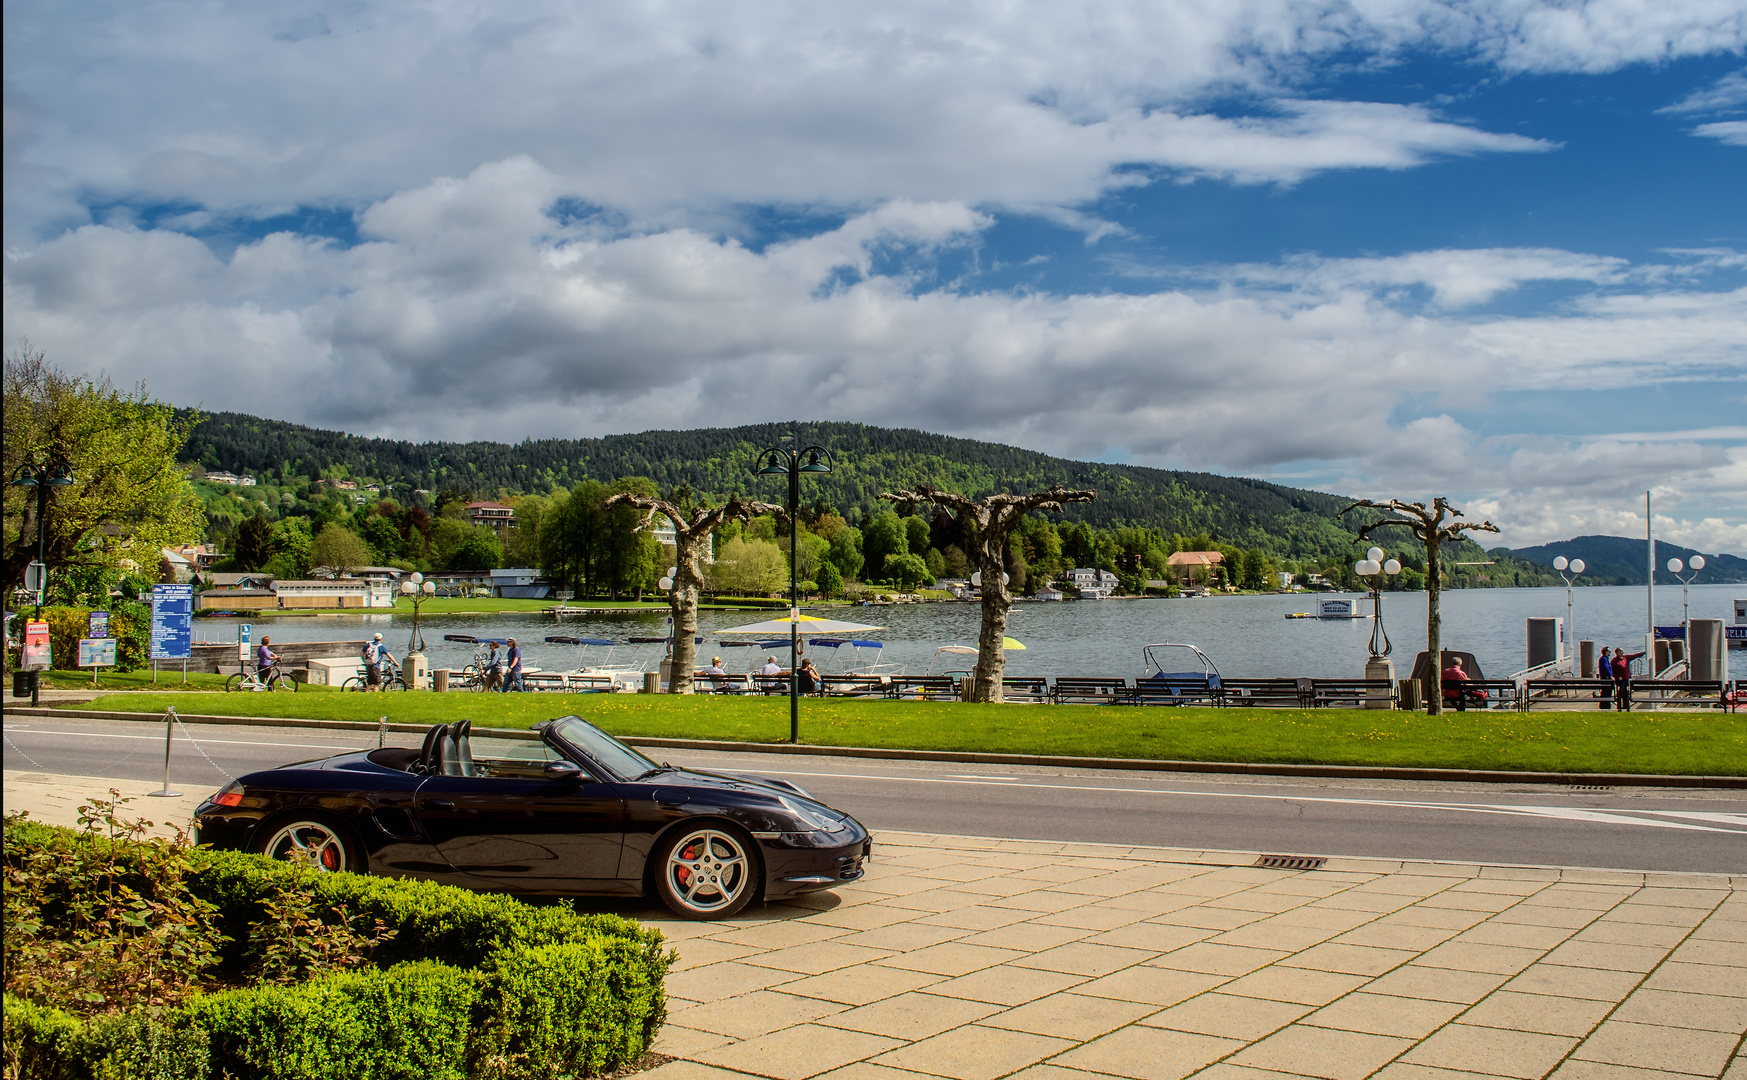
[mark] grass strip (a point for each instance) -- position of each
(1553, 741)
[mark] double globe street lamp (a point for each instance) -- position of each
(792, 461)
(1562, 564)
(1675, 567)
(1378, 667)
(418, 590)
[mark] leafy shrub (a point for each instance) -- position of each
(574, 1008)
(296, 937)
(40, 1040)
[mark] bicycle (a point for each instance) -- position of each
(275, 679)
(391, 680)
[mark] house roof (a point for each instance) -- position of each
(489, 506)
(1195, 558)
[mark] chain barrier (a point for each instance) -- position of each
(190, 737)
(56, 772)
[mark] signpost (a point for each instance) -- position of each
(172, 625)
(98, 624)
(98, 649)
(38, 654)
(244, 633)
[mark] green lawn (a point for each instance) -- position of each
(456, 605)
(1547, 741)
(169, 679)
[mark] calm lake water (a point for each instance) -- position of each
(1246, 636)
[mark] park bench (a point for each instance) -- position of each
(858, 685)
(1600, 691)
(1102, 691)
(1499, 693)
(1279, 692)
(767, 684)
(1025, 689)
(558, 681)
(1169, 691)
(1349, 693)
(1688, 692)
(925, 687)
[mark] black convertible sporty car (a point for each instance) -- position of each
(575, 812)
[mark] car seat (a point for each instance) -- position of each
(430, 754)
(458, 761)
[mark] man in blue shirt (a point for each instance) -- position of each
(375, 654)
(514, 680)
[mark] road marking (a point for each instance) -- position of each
(15, 731)
(1558, 813)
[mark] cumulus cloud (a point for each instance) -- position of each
(467, 311)
(1733, 132)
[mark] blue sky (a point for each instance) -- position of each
(1494, 250)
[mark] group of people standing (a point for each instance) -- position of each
(1619, 669)
(503, 671)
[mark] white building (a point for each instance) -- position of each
(1092, 583)
(230, 478)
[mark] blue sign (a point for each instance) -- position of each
(172, 622)
(98, 625)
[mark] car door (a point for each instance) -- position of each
(512, 826)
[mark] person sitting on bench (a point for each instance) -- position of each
(1454, 693)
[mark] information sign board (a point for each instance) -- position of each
(244, 633)
(172, 622)
(97, 652)
(37, 652)
(98, 624)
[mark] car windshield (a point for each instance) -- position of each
(619, 760)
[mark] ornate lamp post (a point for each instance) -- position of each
(1576, 567)
(787, 461)
(1374, 567)
(416, 588)
(1674, 567)
(56, 473)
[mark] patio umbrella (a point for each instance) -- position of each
(810, 626)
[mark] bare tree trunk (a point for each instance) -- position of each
(991, 653)
(1435, 624)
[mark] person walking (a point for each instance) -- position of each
(513, 681)
(493, 669)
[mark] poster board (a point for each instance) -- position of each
(172, 622)
(97, 652)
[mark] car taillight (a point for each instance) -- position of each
(230, 796)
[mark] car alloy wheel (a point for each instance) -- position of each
(313, 842)
(706, 873)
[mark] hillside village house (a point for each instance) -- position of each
(1184, 564)
(339, 485)
(230, 478)
(500, 518)
(1092, 583)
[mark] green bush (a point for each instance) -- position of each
(523, 991)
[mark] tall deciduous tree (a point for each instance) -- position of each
(254, 542)
(985, 523)
(340, 550)
(1432, 527)
(129, 498)
(692, 527)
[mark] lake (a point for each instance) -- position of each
(1246, 636)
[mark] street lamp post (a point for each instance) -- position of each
(56, 473)
(1374, 567)
(416, 588)
(1576, 567)
(1674, 567)
(786, 461)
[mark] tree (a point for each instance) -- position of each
(128, 500)
(830, 580)
(917, 533)
(846, 552)
(1430, 527)
(340, 550)
(885, 535)
(382, 536)
(692, 527)
(254, 543)
(907, 571)
(479, 551)
(293, 547)
(749, 565)
(986, 523)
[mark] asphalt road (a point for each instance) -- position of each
(1628, 829)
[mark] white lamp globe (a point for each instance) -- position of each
(416, 577)
(1392, 567)
(1559, 563)
(976, 578)
(430, 588)
(1697, 563)
(407, 587)
(1004, 578)
(666, 583)
(1375, 554)
(1675, 566)
(1577, 566)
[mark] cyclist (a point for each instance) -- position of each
(265, 658)
(375, 654)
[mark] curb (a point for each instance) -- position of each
(1347, 772)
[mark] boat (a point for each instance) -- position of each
(1177, 674)
(852, 657)
(1736, 635)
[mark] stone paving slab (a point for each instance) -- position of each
(973, 958)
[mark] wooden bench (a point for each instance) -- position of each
(558, 681)
(1601, 691)
(1026, 689)
(1102, 691)
(1169, 691)
(1499, 693)
(925, 687)
(858, 686)
(1277, 692)
(1350, 693)
(1677, 692)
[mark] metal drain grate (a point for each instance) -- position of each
(1589, 787)
(1291, 862)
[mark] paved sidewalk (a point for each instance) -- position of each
(975, 959)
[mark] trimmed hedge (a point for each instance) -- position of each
(472, 985)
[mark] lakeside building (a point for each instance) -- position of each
(499, 518)
(334, 593)
(1092, 583)
(521, 583)
(1183, 564)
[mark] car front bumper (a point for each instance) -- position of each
(797, 863)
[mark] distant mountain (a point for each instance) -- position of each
(718, 462)
(1619, 560)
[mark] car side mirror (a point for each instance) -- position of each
(563, 770)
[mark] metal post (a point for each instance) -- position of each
(794, 595)
(381, 731)
(169, 729)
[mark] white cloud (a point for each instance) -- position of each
(1725, 95)
(467, 313)
(1733, 132)
(1456, 278)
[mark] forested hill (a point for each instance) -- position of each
(718, 461)
(1619, 560)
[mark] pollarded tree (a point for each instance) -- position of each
(691, 538)
(1432, 527)
(985, 524)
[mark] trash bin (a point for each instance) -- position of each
(440, 680)
(1409, 690)
(21, 683)
(652, 682)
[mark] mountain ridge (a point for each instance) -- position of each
(1619, 560)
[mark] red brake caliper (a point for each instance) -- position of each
(684, 875)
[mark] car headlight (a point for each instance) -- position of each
(814, 819)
